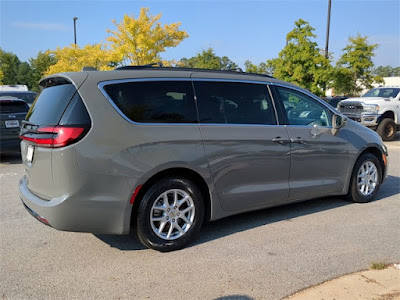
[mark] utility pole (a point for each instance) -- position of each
(75, 18)
(327, 29)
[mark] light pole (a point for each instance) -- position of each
(75, 18)
(327, 29)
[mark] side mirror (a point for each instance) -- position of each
(338, 121)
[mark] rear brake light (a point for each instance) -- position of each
(57, 136)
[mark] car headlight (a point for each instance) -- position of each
(370, 108)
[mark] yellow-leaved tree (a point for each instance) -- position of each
(140, 41)
(73, 58)
(1, 76)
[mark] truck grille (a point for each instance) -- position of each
(351, 108)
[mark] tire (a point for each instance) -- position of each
(387, 129)
(170, 214)
(369, 165)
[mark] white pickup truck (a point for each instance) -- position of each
(378, 109)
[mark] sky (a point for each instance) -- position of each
(242, 30)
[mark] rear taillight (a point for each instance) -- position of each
(55, 136)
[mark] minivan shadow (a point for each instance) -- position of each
(242, 222)
(230, 225)
(122, 242)
(234, 224)
(389, 188)
(10, 158)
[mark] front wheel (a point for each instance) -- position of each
(365, 179)
(387, 129)
(170, 214)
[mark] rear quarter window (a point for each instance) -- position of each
(154, 101)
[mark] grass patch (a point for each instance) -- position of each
(378, 265)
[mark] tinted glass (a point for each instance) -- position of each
(234, 103)
(50, 104)
(27, 97)
(76, 113)
(13, 107)
(303, 110)
(155, 101)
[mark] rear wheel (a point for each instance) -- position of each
(387, 129)
(366, 179)
(170, 214)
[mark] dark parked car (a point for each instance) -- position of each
(333, 101)
(27, 96)
(167, 149)
(12, 113)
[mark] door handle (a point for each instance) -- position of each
(297, 140)
(280, 140)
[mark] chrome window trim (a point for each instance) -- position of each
(231, 80)
(102, 84)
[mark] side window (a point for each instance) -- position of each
(303, 110)
(234, 103)
(155, 101)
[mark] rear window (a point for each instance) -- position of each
(51, 104)
(154, 101)
(28, 97)
(13, 107)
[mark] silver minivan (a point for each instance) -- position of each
(167, 149)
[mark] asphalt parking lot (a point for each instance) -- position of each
(267, 254)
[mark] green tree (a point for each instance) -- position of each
(9, 64)
(140, 41)
(355, 66)
(207, 59)
(39, 65)
(343, 81)
(13, 70)
(262, 68)
(386, 71)
(24, 74)
(301, 61)
(227, 64)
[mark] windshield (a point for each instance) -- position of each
(383, 92)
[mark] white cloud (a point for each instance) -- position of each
(48, 26)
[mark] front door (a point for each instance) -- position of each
(319, 155)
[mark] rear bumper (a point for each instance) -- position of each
(10, 145)
(69, 213)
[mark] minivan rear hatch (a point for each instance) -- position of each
(56, 120)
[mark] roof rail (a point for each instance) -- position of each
(158, 65)
(89, 69)
(236, 69)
